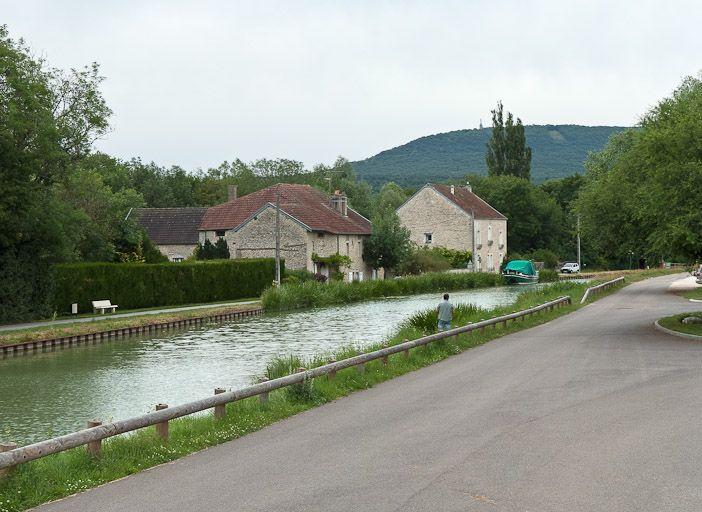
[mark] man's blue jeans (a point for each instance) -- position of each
(444, 325)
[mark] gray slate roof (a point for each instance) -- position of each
(170, 226)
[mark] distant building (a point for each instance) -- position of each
(311, 223)
(173, 230)
(456, 218)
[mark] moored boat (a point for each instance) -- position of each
(520, 272)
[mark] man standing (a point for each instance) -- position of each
(445, 313)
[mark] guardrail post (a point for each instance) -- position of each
(219, 410)
(6, 447)
(263, 397)
(406, 351)
(94, 447)
(332, 373)
(162, 428)
(361, 368)
(385, 358)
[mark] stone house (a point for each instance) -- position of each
(174, 231)
(311, 224)
(456, 218)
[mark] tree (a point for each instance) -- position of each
(642, 191)
(391, 196)
(389, 242)
(221, 249)
(507, 152)
(48, 120)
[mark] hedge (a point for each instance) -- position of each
(139, 285)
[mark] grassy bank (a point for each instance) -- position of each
(73, 471)
(78, 328)
(694, 294)
(313, 294)
(674, 323)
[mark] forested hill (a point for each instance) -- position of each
(557, 151)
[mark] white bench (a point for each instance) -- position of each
(102, 305)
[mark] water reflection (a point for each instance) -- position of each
(54, 393)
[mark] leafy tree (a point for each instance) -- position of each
(642, 192)
(221, 249)
(391, 196)
(507, 152)
(389, 243)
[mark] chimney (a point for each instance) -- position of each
(453, 190)
(339, 203)
(231, 193)
(468, 187)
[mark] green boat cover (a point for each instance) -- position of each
(522, 266)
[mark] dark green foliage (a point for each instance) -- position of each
(548, 258)
(134, 285)
(557, 151)
(507, 153)
(422, 260)
(24, 286)
(297, 276)
(150, 252)
(314, 294)
(389, 243)
(548, 275)
(457, 259)
(221, 249)
(642, 192)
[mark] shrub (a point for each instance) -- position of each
(548, 275)
(298, 275)
(548, 258)
(421, 261)
(134, 285)
(456, 258)
(314, 294)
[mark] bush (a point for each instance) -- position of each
(298, 275)
(548, 275)
(135, 285)
(421, 261)
(456, 258)
(548, 258)
(314, 294)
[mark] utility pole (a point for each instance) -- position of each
(277, 235)
(579, 243)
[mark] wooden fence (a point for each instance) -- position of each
(601, 287)
(11, 455)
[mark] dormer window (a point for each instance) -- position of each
(427, 238)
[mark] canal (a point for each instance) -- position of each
(53, 393)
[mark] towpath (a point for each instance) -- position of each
(594, 411)
(111, 316)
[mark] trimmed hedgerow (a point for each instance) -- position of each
(137, 285)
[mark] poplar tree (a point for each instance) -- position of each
(507, 152)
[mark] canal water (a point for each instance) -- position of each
(53, 393)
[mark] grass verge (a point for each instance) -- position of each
(73, 471)
(313, 294)
(78, 328)
(674, 323)
(693, 294)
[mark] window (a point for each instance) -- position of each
(427, 238)
(177, 259)
(501, 239)
(347, 248)
(480, 263)
(220, 233)
(320, 235)
(478, 239)
(489, 234)
(490, 265)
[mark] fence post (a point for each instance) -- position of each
(219, 410)
(263, 397)
(332, 373)
(162, 428)
(94, 447)
(406, 351)
(6, 447)
(385, 358)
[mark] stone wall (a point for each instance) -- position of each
(450, 226)
(176, 251)
(430, 212)
(328, 244)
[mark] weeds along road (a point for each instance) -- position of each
(593, 411)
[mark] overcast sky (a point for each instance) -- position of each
(195, 83)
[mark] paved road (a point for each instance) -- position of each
(49, 323)
(596, 411)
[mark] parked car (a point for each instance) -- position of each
(570, 267)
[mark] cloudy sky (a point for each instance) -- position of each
(195, 83)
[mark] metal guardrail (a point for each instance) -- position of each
(11, 456)
(600, 287)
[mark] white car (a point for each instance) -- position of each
(570, 268)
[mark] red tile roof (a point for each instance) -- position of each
(303, 202)
(468, 202)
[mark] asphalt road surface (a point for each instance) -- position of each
(595, 411)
